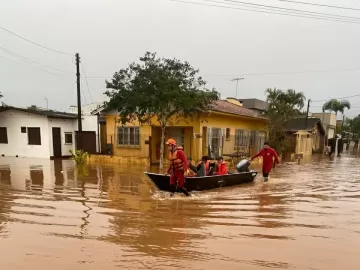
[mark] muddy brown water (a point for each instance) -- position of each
(306, 217)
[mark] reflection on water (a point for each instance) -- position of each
(306, 217)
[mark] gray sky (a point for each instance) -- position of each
(222, 43)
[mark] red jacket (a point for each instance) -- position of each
(267, 155)
(180, 155)
(221, 168)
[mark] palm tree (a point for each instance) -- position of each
(336, 106)
(295, 99)
(273, 95)
(290, 98)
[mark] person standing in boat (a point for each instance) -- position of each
(220, 167)
(177, 168)
(268, 154)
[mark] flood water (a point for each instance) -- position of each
(306, 217)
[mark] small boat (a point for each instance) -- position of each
(161, 181)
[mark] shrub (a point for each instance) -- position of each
(79, 156)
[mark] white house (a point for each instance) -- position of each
(43, 133)
(329, 122)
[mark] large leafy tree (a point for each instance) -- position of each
(283, 106)
(336, 106)
(161, 89)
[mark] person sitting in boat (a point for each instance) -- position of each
(204, 166)
(192, 171)
(221, 167)
(177, 168)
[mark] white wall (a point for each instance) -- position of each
(17, 141)
(331, 133)
(326, 118)
(65, 125)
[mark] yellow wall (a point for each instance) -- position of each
(197, 145)
(127, 151)
(223, 121)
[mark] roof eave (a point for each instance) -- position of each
(239, 115)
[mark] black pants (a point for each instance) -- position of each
(265, 174)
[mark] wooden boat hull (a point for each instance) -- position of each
(161, 181)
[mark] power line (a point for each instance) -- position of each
(357, 95)
(87, 84)
(43, 70)
(285, 9)
(28, 59)
(259, 74)
(287, 73)
(267, 12)
(319, 5)
(32, 42)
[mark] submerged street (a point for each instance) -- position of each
(306, 217)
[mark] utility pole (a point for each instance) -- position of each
(47, 103)
(79, 141)
(237, 83)
(307, 113)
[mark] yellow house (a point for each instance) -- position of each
(306, 136)
(226, 130)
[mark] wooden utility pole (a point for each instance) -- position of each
(79, 140)
(307, 113)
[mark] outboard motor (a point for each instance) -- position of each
(243, 166)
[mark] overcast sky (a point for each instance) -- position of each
(222, 43)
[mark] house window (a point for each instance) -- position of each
(252, 135)
(68, 138)
(23, 129)
(227, 134)
(128, 136)
(3, 135)
(34, 136)
(240, 138)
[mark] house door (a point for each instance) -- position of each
(56, 133)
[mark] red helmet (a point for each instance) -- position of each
(171, 142)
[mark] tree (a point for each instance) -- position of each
(283, 106)
(161, 89)
(336, 106)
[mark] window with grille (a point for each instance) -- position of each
(128, 136)
(240, 139)
(252, 135)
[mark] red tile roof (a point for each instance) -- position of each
(227, 107)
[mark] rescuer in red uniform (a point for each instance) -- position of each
(268, 154)
(177, 167)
